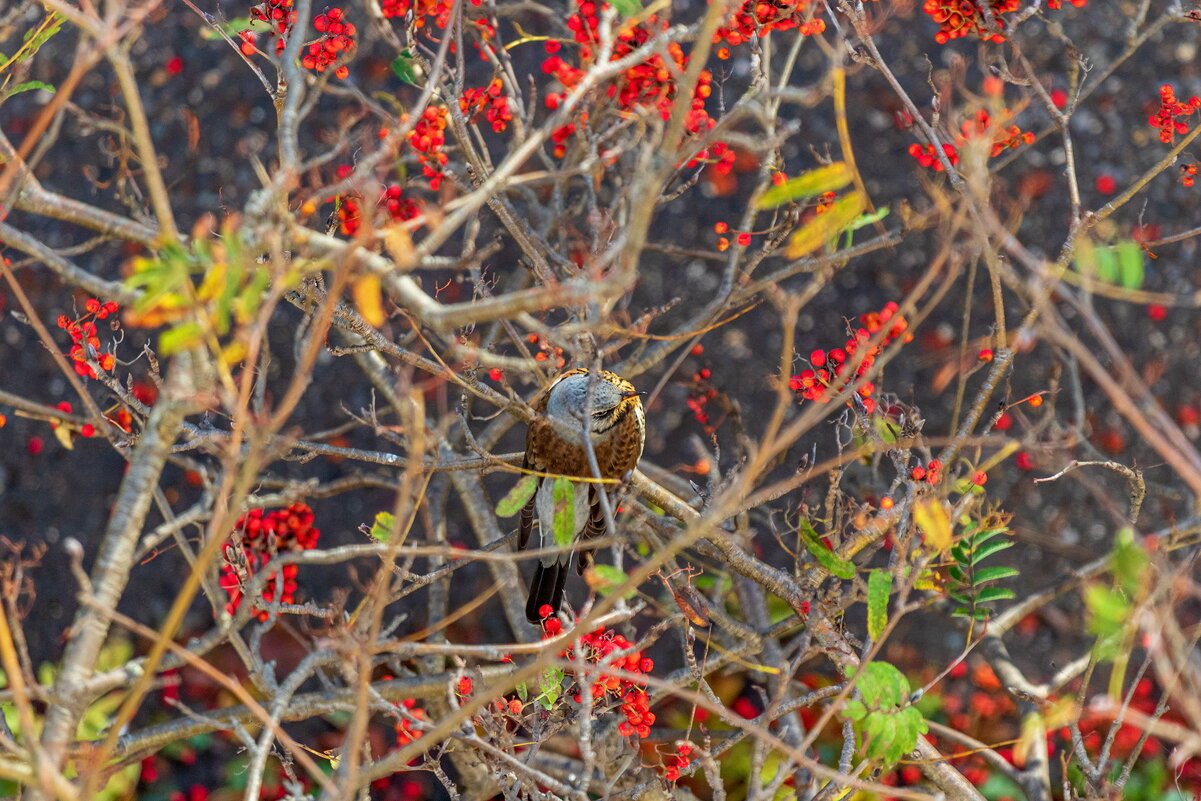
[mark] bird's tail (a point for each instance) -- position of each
(546, 589)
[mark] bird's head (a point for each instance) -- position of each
(610, 395)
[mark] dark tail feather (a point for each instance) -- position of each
(546, 588)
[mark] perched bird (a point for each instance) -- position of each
(555, 445)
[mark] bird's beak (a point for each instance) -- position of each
(628, 395)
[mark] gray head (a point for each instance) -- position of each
(566, 401)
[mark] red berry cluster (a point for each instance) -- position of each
(927, 156)
(650, 83)
(337, 35)
(349, 213)
(600, 646)
(427, 138)
(957, 18)
(263, 537)
(438, 9)
(279, 15)
(830, 375)
(406, 732)
(489, 100)
(1169, 118)
(546, 350)
(679, 761)
(87, 344)
(761, 17)
(700, 394)
(931, 473)
(981, 124)
(337, 38)
(1188, 174)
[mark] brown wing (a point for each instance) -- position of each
(536, 445)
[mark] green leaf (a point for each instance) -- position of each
(982, 552)
(518, 497)
(181, 337)
(564, 499)
(825, 557)
(627, 8)
(1107, 265)
(1129, 561)
(1108, 609)
(879, 587)
(381, 528)
(885, 429)
(610, 579)
(403, 68)
(1130, 264)
(550, 688)
(868, 219)
(34, 38)
(890, 726)
(824, 179)
(990, 594)
(987, 574)
(523, 691)
(1096, 262)
(30, 86)
(881, 684)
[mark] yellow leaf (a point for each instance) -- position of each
(932, 518)
(64, 436)
(233, 353)
(368, 299)
(824, 227)
(824, 179)
(214, 281)
(399, 244)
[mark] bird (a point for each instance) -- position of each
(617, 425)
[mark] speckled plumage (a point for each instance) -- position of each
(618, 427)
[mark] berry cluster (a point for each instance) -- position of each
(490, 101)
(438, 9)
(957, 18)
(679, 761)
(279, 16)
(600, 646)
(981, 124)
(546, 350)
(85, 353)
(337, 35)
(648, 84)
(723, 243)
(761, 17)
(927, 156)
(700, 394)
(349, 214)
(831, 373)
(1169, 118)
(427, 138)
(263, 536)
(1188, 174)
(931, 473)
(606, 646)
(337, 38)
(406, 732)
